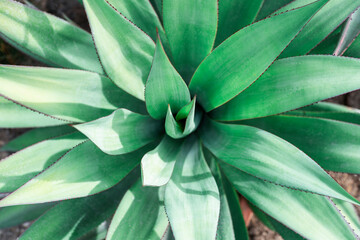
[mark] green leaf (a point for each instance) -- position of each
(158, 164)
(234, 15)
(320, 26)
(270, 158)
(83, 171)
(73, 218)
(20, 167)
(121, 132)
(293, 83)
(124, 50)
(350, 32)
(350, 214)
(312, 216)
(34, 136)
(231, 222)
(196, 215)
(164, 86)
(15, 115)
(139, 203)
(175, 128)
(16, 215)
(157, 4)
(270, 6)
(69, 95)
(244, 59)
(99, 233)
(47, 38)
(329, 44)
(342, 155)
(354, 49)
(190, 26)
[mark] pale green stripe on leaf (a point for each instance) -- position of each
(125, 51)
(20, 167)
(121, 132)
(245, 56)
(270, 158)
(311, 216)
(140, 215)
(47, 38)
(158, 164)
(83, 171)
(192, 200)
(190, 26)
(164, 86)
(292, 83)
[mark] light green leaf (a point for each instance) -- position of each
(270, 158)
(245, 56)
(234, 15)
(47, 38)
(121, 132)
(196, 216)
(15, 115)
(320, 26)
(16, 215)
(73, 218)
(20, 167)
(139, 203)
(164, 86)
(311, 216)
(293, 83)
(350, 214)
(34, 136)
(83, 171)
(70, 95)
(158, 164)
(350, 32)
(270, 6)
(124, 50)
(190, 26)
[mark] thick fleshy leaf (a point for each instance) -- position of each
(124, 50)
(270, 158)
(83, 171)
(16, 215)
(320, 26)
(121, 132)
(139, 203)
(20, 167)
(78, 216)
(19, 116)
(329, 44)
(245, 56)
(196, 216)
(231, 222)
(340, 155)
(34, 136)
(164, 86)
(69, 95)
(292, 83)
(350, 32)
(270, 6)
(47, 38)
(350, 214)
(190, 26)
(315, 217)
(158, 164)
(234, 15)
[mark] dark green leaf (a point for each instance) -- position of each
(270, 6)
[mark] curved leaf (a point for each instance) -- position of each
(70, 95)
(315, 217)
(164, 86)
(20, 167)
(47, 38)
(243, 58)
(270, 158)
(124, 50)
(292, 83)
(270, 6)
(121, 132)
(139, 203)
(190, 26)
(83, 171)
(196, 216)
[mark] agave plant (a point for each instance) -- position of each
(150, 126)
